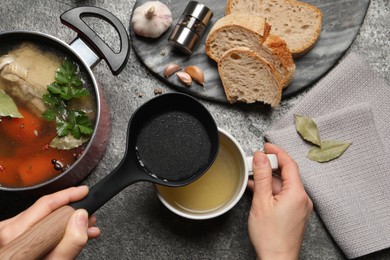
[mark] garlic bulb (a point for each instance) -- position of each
(151, 19)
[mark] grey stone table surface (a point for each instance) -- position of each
(134, 224)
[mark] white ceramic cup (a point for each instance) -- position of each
(245, 170)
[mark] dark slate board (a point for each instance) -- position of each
(341, 23)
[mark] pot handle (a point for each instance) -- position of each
(73, 19)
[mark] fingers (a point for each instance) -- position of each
(276, 185)
(289, 171)
(289, 168)
(93, 232)
(6, 222)
(40, 209)
(48, 203)
(75, 237)
(262, 176)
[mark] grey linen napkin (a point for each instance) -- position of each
(351, 193)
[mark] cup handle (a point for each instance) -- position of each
(272, 159)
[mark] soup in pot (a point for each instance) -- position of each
(47, 114)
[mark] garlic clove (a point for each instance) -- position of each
(184, 78)
(151, 19)
(196, 74)
(170, 69)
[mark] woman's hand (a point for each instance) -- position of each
(280, 207)
(79, 229)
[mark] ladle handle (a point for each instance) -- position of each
(108, 187)
(41, 238)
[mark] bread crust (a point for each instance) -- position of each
(252, 24)
(229, 86)
(278, 47)
(271, 47)
(292, 9)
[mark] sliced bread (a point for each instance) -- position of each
(297, 23)
(244, 6)
(275, 51)
(247, 77)
(235, 31)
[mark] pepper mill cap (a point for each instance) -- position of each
(199, 11)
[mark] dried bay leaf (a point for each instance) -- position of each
(67, 142)
(328, 151)
(308, 129)
(324, 150)
(8, 106)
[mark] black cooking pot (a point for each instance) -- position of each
(86, 50)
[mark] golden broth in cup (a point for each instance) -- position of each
(214, 189)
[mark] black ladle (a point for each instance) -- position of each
(171, 140)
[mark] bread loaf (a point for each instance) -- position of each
(248, 77)
(237, 30)
(297, 23)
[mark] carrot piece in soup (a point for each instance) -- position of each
(27, 128)
(36, 169)
(6, 168)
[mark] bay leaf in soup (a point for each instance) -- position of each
(308, 129)
(67, 142)
(328, 151)
(8, 106)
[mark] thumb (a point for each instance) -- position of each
(262, 176)
(75, 237)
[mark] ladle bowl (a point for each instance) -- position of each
(171, 140)
(167, 127)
